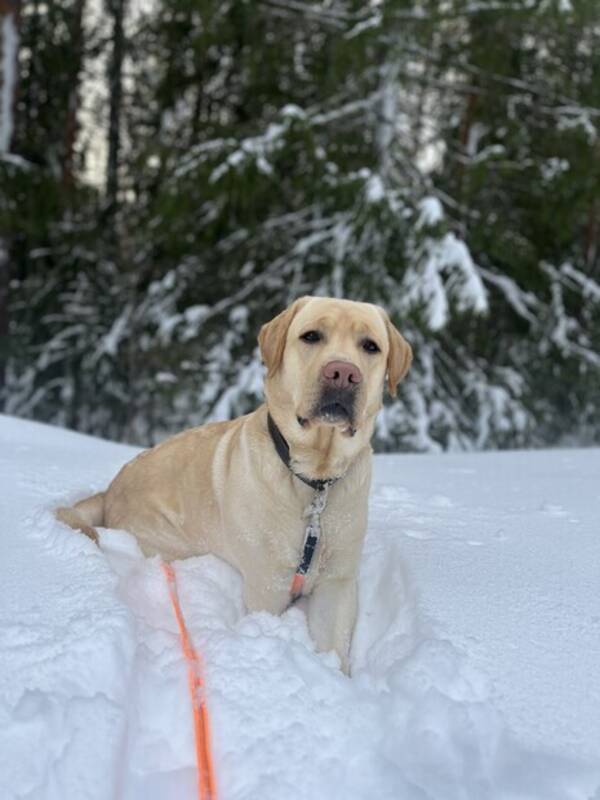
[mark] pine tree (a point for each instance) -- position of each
(521, 162)
(266, 171)
(439, 159)
(50, 217)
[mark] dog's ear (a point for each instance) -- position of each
(272, 336)
(399, 356)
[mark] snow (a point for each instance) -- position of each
(118, 331)
(258, 149)
(444, 270)
(430, 212)
(476, 660)
(524, 303)
(375, 190)
(589, 287)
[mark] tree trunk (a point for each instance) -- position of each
(4, 285)
(71, 126)
(117, 9)
(592, 234)
(9, 43)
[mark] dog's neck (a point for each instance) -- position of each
(322, 453)
(283, 451)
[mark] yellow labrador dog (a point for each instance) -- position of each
(259, 490)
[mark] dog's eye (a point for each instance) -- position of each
(369, 346)
(311, 337)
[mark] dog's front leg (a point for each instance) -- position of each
(262, 596)
(332, 608)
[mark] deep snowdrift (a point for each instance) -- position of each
(476, 662)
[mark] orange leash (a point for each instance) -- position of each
(204, 763)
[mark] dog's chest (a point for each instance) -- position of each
(270, 534)
(296, 532)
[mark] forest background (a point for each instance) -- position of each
(174, 172)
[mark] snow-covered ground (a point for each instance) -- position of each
(476, 662)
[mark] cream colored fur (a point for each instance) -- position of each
(222, 488)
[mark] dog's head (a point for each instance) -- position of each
(327, 361)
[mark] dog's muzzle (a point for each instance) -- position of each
(336, 405)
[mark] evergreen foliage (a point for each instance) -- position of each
(441, 159)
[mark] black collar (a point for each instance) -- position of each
(283, 451)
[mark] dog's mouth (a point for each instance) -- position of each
(334, 407)
(334, 412)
